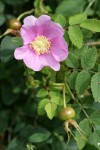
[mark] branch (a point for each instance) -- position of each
(93, 43)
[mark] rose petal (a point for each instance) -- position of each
(21, 52)
(28, 29)
(51, 61)
(30, 21)
(37, 62)
(59, 42)
(42, 24)
(59, 49)
(54, 30)
(48, 28)
(59, 53)
(33, 61)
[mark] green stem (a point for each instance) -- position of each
(63, 89)
(89, 5)
(57, 84)
(72, 95)
(93, 43)
(25, 13)
(64, 97)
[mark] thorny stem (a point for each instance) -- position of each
(72, 95)
(63, 89)
(25, 13)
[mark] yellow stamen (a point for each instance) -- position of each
(40, 45)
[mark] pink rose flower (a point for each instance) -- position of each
(43, 43)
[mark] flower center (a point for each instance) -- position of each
(41, 45)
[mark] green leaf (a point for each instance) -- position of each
(7, 49)
(95, 117)
(95, 87)
(14, 145)
(91, 24)
(50, 109)
(61, 20)
(75, 36)
(56, 97)
(17, 40)
(89, 58)
(82, 82)
(77, 19)
(72, 61)
(39, 137)
(85, 127)
(57, 100)
(2, 19)
(87, 101)
(79, 52)
(72, 79)
(40, 8)
(37, 4)
(70, 7)
(2, 7)
(42, 93)
(94, 139)
(41, 106)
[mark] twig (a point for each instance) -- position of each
(25, 13)
(72, 95)
(93, 43)
(89, 5)
(63, 89)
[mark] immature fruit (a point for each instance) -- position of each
(14, 24)
(67, 113)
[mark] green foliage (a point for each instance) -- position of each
(17, 40)
(2, 16)
(95, 119)
(14, 144)
(2, 19)
(72, 61)
(40, 8)
(61, 20)
(2, 7)
(18, 2)
(72, 79)
(77, 19)
(41, 106)
(82, 82)
(89, 58)
(42, 93)
(7, 49)
(66, 7)
(81, 140)
(75, 36)
(50, 109)
(94, 139)
(91, 24)
(95, 86)
(39, 136)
